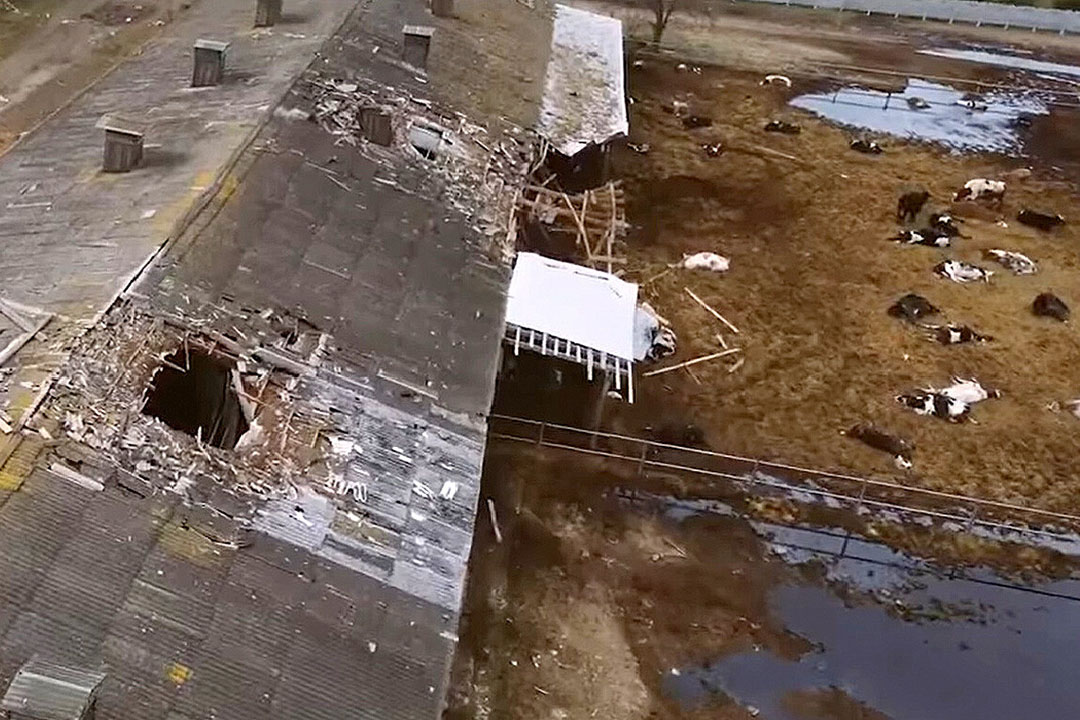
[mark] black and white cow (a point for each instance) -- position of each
(952, 403)
(1018, 263)
(927, 236)
(1040, 220)
(867, 147)
(781, 126)
(946, 225)
(911, 204)
(957, 334)
(962, 272)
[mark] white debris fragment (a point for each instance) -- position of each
(341, 446)
(449, 490)
(372, 647)
(777, 80)
(706, 261)
(290, 114)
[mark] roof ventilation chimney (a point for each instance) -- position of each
(417, 45)
(123, 144)
(209, 63)
(267, 13)
(44, 691)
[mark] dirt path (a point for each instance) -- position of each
(53, 49)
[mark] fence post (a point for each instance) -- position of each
(972, 518)
(540, 437)
(644, 453)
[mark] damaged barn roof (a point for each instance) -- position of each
(351, 299)
(585, 88)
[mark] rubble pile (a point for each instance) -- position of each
(479, 171)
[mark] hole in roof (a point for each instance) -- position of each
(194, 393)
(426, 140)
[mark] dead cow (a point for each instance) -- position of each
(912, 308)
(946, 225)
(952, 403)
(936, 404)
(1039, 220)
(981, 188)
(899, 448)
(868, 147)
(781, 126)
(1018, 263)
(911, 204)
(1050, 305)
(692, 122)
(927, 236)
(956, 334)
(962, 272)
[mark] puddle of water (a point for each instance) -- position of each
(999, 59)
(992, 127)
(967, 650)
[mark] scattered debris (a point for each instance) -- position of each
(781, 126)
(1040, 220)
(917, 103)
(695, 361)
(1016, 262)
(714, 150)
(912, 308)
(776, 80)
(962, 272)
(642, 149)
(494, 521)
(706, 261)
(711, 310)
(683, 67)
(1050, 305)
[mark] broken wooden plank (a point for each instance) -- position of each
(695, 361)
(712, 310)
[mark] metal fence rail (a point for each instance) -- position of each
(743, 474)
(952, 11)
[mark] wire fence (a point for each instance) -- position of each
(954, 11)
(752, 475)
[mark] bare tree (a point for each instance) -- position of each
(662, 10)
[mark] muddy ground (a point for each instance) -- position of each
(812, 274)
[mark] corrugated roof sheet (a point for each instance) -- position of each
(46, 691)
(585, 87)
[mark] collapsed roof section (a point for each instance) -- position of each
(585, 87)
(574, 313)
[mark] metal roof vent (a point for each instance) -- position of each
(417, 45)
(209, 63)
(44, 691)
(267, 12)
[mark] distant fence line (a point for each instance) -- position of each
(749, 474)
(954, 11)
